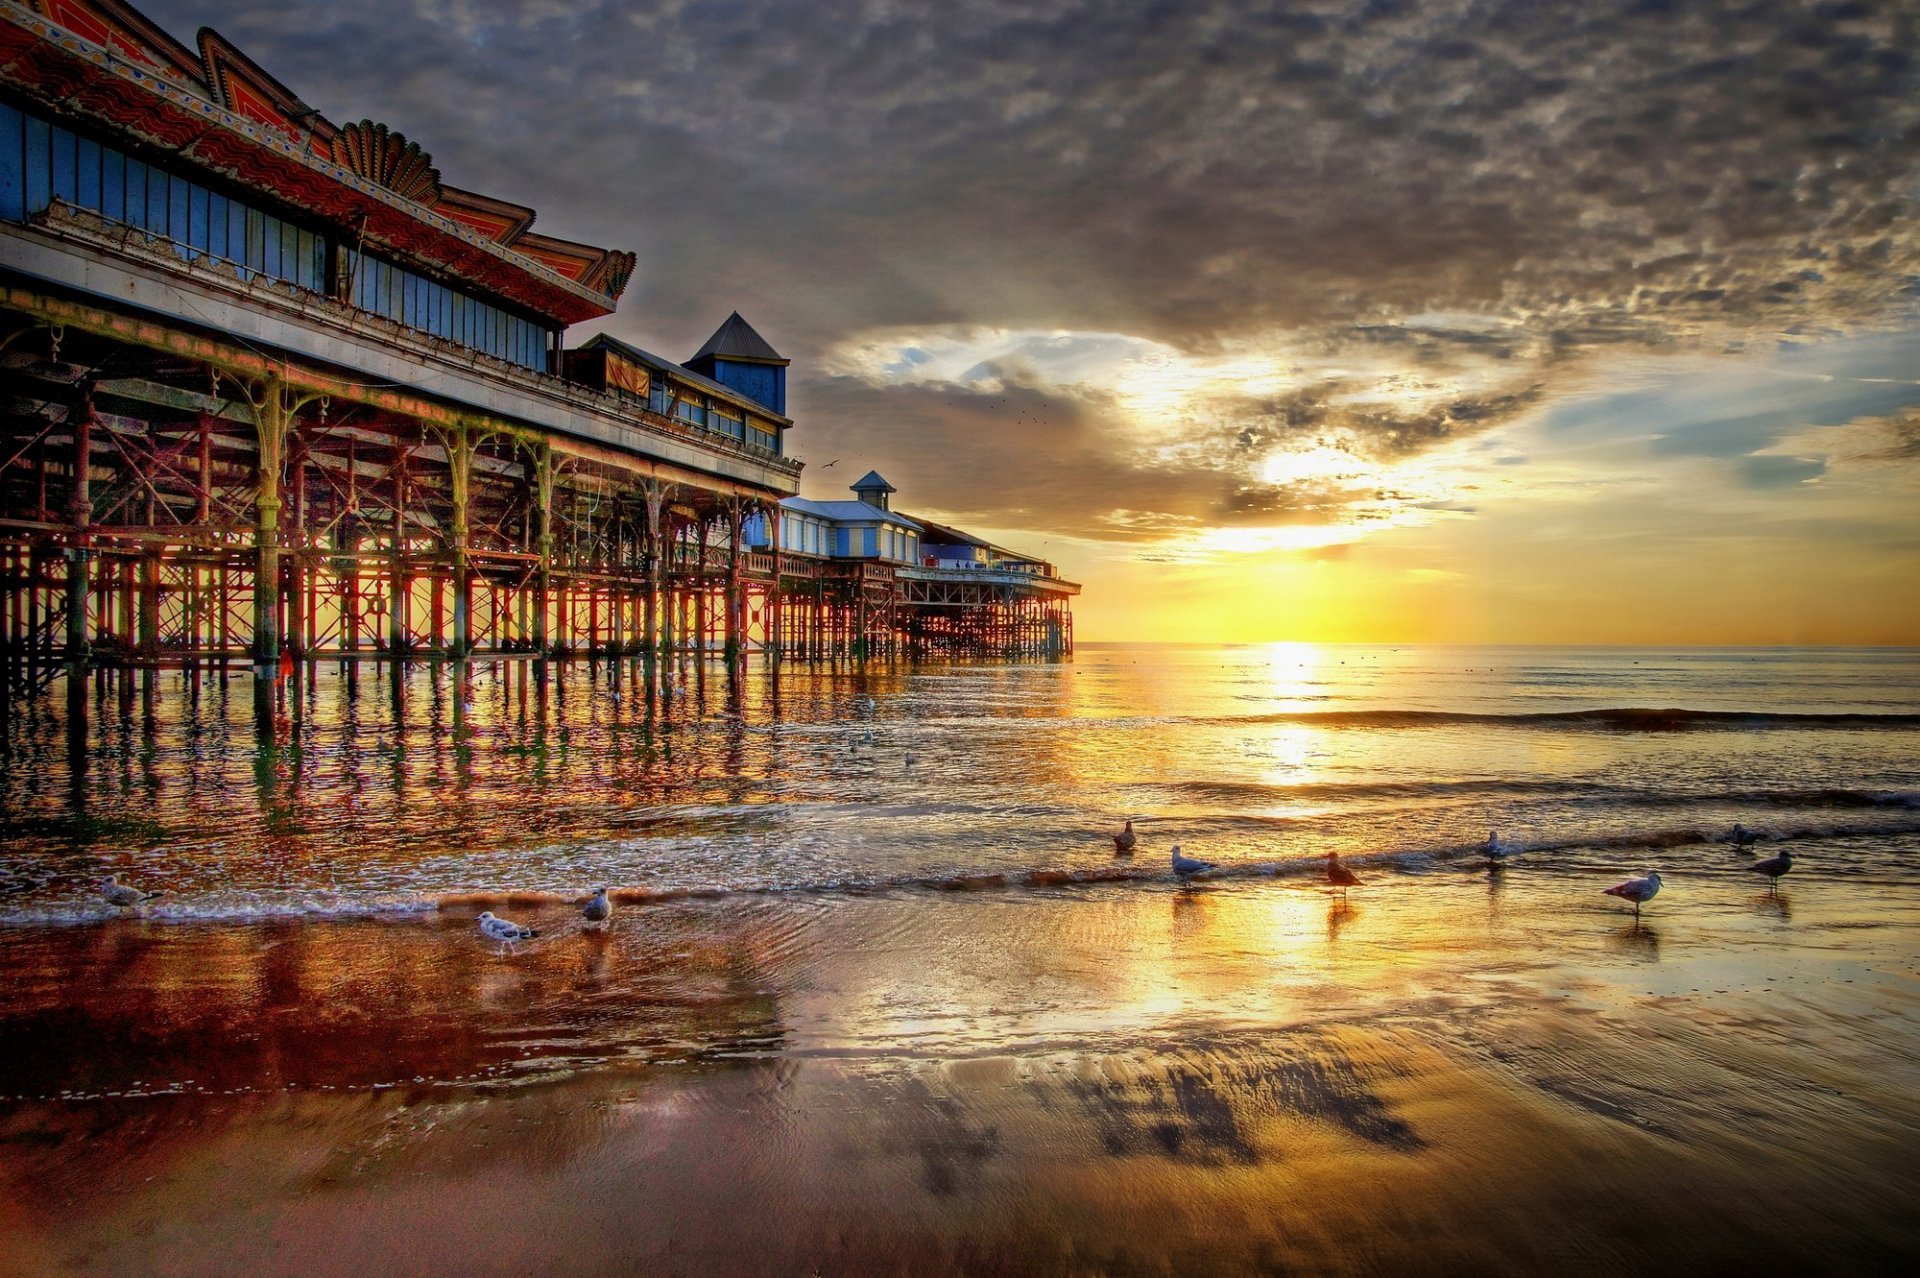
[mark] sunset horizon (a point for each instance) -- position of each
(1017, 637)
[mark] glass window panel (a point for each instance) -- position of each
(39, 186)
(270, 264)
(289, 252)
(13, 185)
(197, 233)
(136, 213)
(217, 224)
(113, 185)
(256, 239)
(237, 232)
(179, 202)
(87, 160)
(66, 181)
(159, 189)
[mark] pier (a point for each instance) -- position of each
(275, 393)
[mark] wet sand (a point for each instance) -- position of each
(1446, 1074)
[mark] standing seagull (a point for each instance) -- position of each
(1339, 875)
(504, 931)
(1123, 842)
(1741, 838)
(116, 893)
(1773, 867)
(1186, 867)
(1639, 891)
(598, 908)
(1497, 851)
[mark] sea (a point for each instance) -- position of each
(880, 994)
(379, 793)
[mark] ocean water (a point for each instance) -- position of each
(372, 797)
(879, 997)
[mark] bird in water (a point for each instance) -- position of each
(1639, 891)
(1123, 842)
(114, 892)
(1186, 867)
(597, 908)
(1339, 875)
(1497, 851)
(1773, 867)
(1742, 838)
(504, 931)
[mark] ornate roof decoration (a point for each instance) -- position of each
(101, 62)
(127, 32)
(381, 155)
(498, 220)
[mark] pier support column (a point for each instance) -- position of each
(79, 553)
(460, 461)
(543, 539)
(399, 585)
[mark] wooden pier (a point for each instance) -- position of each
(275, 394)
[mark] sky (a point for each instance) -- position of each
(1473, 321)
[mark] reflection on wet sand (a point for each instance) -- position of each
(1232, 1078)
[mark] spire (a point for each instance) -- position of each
(873, 489)
(736, 339)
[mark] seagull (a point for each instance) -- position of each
(1187, 867)
(1741, 837)
(1497, 851)
(123, 895)
(1123, 842)
(1773, 867)
(1339, 875)
(598, 908)
(1639, 891)
(503, 930)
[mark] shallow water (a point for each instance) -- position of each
(856, 1013)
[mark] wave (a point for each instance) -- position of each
(465, 904)
(1571, 791)
(1617, 718)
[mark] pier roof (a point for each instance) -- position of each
(102, 63)
(847, 511)
(700, 380)
(736, 339)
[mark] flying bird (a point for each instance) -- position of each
(1339, 875)
(1187, 867)
(1639, 891)
(504, 931)
(1773, 867)
(123, 895)
(597, 909)
(1123, 842)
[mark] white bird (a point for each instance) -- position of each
(1773, 867)
(1123, 842)
(1639, 891)
(1186, 866)
(504, 931)
(597, 909)
(1497, 850)
(123, 895)
(1339, 875)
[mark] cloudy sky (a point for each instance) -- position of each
(1460, 320)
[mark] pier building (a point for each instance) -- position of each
(274, 390)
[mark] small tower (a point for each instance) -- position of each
(741, 360)
(873, 490)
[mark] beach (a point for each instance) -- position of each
(859, 1015)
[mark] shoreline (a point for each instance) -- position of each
(1239, 1077)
